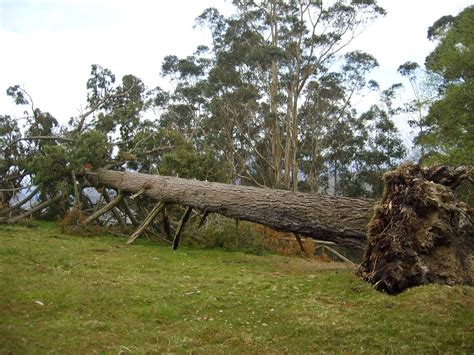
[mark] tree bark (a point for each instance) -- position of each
(148, 220)
(276, 133)
(128, 212)
(37, 208)
(337, 219)
(115, 211)
(20, 203)
(110, 205)
(182, 223)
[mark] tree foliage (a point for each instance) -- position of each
(451, 117)
(271, 103)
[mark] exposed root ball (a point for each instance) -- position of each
(420, 233)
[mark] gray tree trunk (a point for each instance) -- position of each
(337, 219)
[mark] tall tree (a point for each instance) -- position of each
(384, 149)
(423, 90)
(333, 135)
(451, 117)
(286, 45)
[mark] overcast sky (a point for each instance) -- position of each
(48, 45)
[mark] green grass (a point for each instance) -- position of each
(67, 294)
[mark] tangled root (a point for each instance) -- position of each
(420, 233)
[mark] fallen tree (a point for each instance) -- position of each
(419, 233)
(338, 219)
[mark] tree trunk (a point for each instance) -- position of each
(146, 223)
(419, 233)
(276, 133)
(338, 219)
(34, 209)
(110, 205)
(20, 203)
(115, 211)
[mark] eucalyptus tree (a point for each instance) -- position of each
(384, 149)
(228, 91)
(423, 87)
(322, 103)
(285, 45)
(333, 135)
(451, 117)
(316, 33)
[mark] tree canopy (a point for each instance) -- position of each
(451, 117)
(272, 103)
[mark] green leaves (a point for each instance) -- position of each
(18, 95)
(50, 167)
(100, 84)
(55, 162)
(91, 149)
(451, 117)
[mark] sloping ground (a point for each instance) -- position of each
(70, 294)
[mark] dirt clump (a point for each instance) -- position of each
(420, 232)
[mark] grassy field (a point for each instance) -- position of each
(67, 294)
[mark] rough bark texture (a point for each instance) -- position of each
(420, 233)
(338, 219)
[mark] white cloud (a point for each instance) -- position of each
(49, 45)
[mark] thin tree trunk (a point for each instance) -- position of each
(129, 213)
(114, 209)
(181, 225)
(288, 141)
(148, 220)
(203, 219)
(37, 208)
(276, 139)
(76, 192)
(21, 203)
(300, 242)
(294, 144)
(110, 205)
(338, 219)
